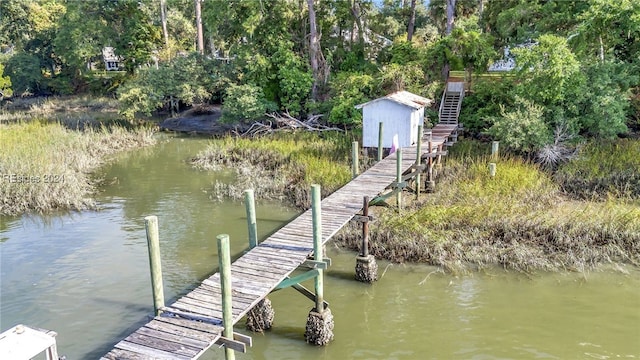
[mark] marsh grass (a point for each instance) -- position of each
(603, 170)
(280, 166)
(75, 112)
(520, 219)
(57, 162)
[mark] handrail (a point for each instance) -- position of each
(444, 94)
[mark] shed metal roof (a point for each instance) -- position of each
(404, 98)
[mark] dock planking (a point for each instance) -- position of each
(193, 323)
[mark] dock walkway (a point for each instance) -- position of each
(192, 324)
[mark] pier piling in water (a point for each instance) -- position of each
(153, 242)
(260, 317)
(224, 260)
(366, 266)
(319, 329)
(250, 206)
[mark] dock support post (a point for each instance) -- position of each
(430, 183)
(224, 259)
(419, 162)
(399, 177)
(153, 242)
(495, 146)
(355, 162)
(250, 206)
(319, 329)
(260, 317)
(366, 266)
(380, 148)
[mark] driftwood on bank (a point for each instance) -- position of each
(286, 122)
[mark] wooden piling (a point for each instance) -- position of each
(492, 169)
(316, 214)
(365, 227)
(153, 243)
(419, 162)
(366, 266)
(495, 145)
(430, 182)
(250, 206)
(224, 260)
(380, 148)
(319, 329)
(399, 177)
(355, 162)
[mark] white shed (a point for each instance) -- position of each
(400, 113)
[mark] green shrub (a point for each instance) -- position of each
(24, 72)
(245, 103)
(184, 80)
(5, 84)
(522, 129)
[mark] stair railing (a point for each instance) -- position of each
(444, 94)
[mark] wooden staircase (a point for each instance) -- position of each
(451, 103)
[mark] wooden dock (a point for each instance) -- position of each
(192, 324)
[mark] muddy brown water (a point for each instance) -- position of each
(85, 275)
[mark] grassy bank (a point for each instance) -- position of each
(45, 166)
(75, 112)
(603, 170)
(521, 219)
(280, 166)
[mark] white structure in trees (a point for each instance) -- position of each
(400, 113)
(111, 60)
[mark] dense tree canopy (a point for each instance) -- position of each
(579, 72)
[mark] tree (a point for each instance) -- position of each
(475, 49)
(412, 21)
(200, 37)
(25, 74)
(184, 80)
(611, 29)
(314, 49)
(548, 71)
(451, 5)
(163, 19)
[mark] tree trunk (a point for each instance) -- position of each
(313, 49)
(412, 21)
(355, 11)
(199, 27)
(451, 5)
(163, 17)
(601, 48)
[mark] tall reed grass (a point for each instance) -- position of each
(280, 166)
(603, 170)
(75, 112)
(520, 219)
(44, 166)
